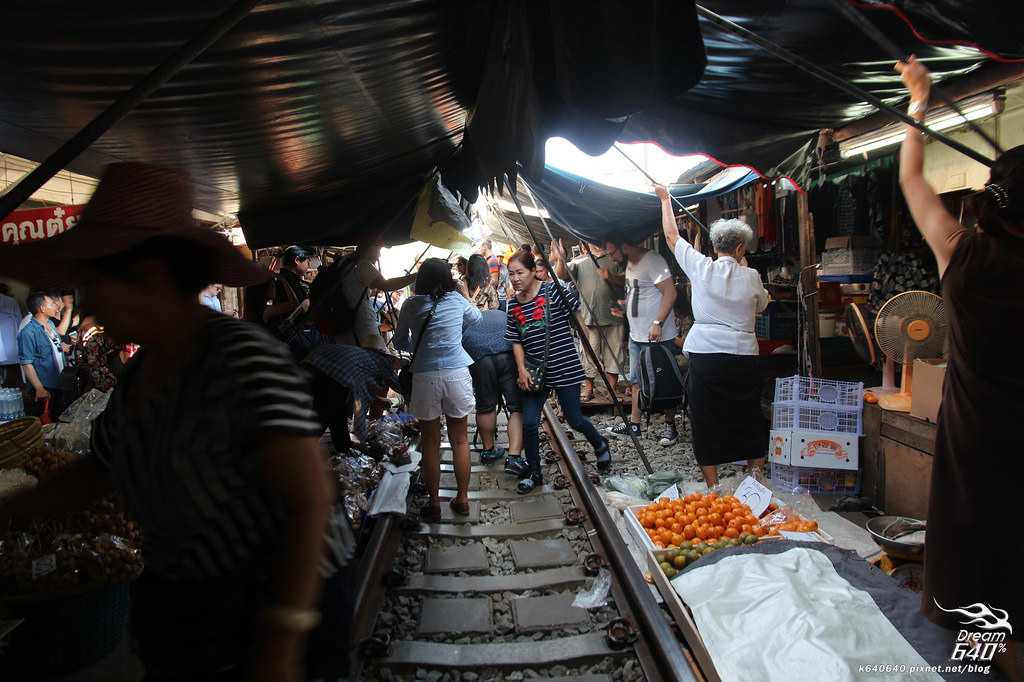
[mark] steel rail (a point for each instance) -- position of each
(651, 622)
(70, 150)
(830, 78)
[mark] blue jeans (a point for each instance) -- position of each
(569, 399)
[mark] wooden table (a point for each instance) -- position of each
(897, 461)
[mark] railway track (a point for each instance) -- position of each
(490, 596)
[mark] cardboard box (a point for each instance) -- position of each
(926, 387)
(824, 450)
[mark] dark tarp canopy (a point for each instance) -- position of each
(594, 212)
(318, 121)
(750, 108)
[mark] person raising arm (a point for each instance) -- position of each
(940, 229)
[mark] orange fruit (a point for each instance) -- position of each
(689, 533)
(676, 527)
(731, 533)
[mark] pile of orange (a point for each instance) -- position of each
(697, 519)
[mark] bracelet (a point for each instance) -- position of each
(295, 620)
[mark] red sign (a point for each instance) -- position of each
(35, 224)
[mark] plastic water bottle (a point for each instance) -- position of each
(6, 405)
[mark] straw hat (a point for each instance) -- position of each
(133, 202)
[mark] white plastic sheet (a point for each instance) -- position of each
(790, 617)
(390, 496)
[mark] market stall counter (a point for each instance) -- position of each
(897, 461)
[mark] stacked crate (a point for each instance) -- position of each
(816, 425)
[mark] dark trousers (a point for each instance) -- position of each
(333, 404)
(569, 399)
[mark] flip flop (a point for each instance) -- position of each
(431, 514)
(460, 508)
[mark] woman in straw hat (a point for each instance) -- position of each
(210, 438)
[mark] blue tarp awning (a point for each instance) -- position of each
(594, 212)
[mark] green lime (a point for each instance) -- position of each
(706, 551)
(671, 573)
(749, 539)
(686, 545)
(665, 567)
(679, 562)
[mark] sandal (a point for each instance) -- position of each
(460, 508)
(431, 514)
(586, 394)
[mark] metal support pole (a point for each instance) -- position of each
(882, 40)
(576, 323)
(823, 75)
(81, 141)
(678, 201)
(651, 621)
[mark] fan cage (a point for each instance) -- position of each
(898, 312)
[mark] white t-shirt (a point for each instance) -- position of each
(643, 298)
(726, 296)
(366, 326)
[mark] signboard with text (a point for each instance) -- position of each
(36, 224)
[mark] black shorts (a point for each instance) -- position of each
(494, 377)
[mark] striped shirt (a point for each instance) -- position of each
(185, 460)
(525, 325)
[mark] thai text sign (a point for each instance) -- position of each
(34, 224)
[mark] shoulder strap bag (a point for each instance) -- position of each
(538, 370)
(405, 376)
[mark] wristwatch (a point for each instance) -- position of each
(658, 322)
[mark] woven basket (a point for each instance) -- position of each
(18, 439)
(64, 633)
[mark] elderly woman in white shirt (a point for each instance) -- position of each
(723, 384)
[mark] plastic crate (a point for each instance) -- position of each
(819, 391)
(801, 416)
(815, 481)
(808, 404)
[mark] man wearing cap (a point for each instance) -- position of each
(209, 438)
(290, 289)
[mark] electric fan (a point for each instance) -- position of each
(909, 325)
(864, 343)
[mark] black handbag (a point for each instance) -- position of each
(537, 370)
(405, 375)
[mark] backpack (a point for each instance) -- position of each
(329, 307)
(661, 383)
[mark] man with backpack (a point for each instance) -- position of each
(360, 276)
(650, 296)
